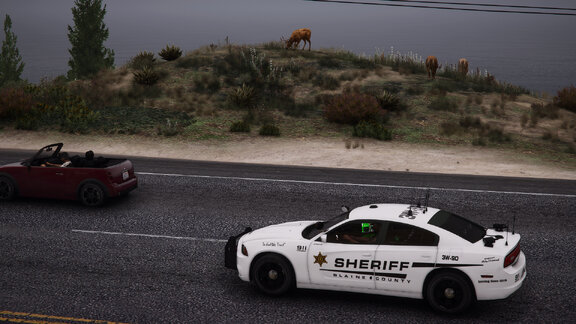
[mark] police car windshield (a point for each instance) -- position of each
(320, 227)
(462, 227)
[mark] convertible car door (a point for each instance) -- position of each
(49, 182)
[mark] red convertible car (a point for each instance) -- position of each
(51, 173)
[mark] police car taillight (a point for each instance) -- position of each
(512, 257)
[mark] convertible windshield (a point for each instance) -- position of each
(462, 227)
(317, 228)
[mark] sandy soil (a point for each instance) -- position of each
(324, 152)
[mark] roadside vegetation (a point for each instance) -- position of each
(230, 91)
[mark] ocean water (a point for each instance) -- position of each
(534, 51)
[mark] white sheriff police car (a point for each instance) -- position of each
(388, 249)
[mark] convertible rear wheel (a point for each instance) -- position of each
(7, 188)
(92, 194)
(272, 274)
(449, 292)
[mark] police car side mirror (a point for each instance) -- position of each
(323, 238)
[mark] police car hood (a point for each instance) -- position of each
(291, 230)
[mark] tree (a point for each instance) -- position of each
(11, 65)
(87, 37)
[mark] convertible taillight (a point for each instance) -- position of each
(512, 256)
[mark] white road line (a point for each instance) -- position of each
(151, 236)
(358, 184)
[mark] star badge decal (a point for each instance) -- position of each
(320, 259)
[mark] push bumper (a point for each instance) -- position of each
(231, 249)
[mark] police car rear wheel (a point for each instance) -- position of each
(273, 275)
(449, 292)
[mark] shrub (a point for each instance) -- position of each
(146, 76)
(389, 101)
(496, 135)
(70, 113)
(206, 82)
(170, 128)
(269, 130)
(372, 129)
(15, 102)
(142, 60)
(470, 122)
(450, 128)
(566, 98)
(240, 127)
(352, 107)
(443, 103)
(170, 53)
(243, 97)
(326, 81)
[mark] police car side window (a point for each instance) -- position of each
(355, 232)
(405, 234)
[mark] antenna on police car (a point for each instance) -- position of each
(426, 200)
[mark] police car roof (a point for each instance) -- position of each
(394, 212)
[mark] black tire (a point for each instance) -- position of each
(92, 194)
(449, 292)
(7, 188)
(273, 275)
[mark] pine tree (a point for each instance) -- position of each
(87, 38)
(11, 65)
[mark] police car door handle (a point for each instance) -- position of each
(426, 256)
(367, 255)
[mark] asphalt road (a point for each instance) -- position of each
(156, 256)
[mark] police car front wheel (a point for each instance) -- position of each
(273, 274)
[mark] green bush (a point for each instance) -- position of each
(70, 113)
(170, 53)
(142, 60)
(372, 129)
(135, 120)
(240, 127)
(147, 76)
(352, 107)
(566, 98)
(269, 130)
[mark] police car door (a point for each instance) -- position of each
(404, 258)
(343, 256)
